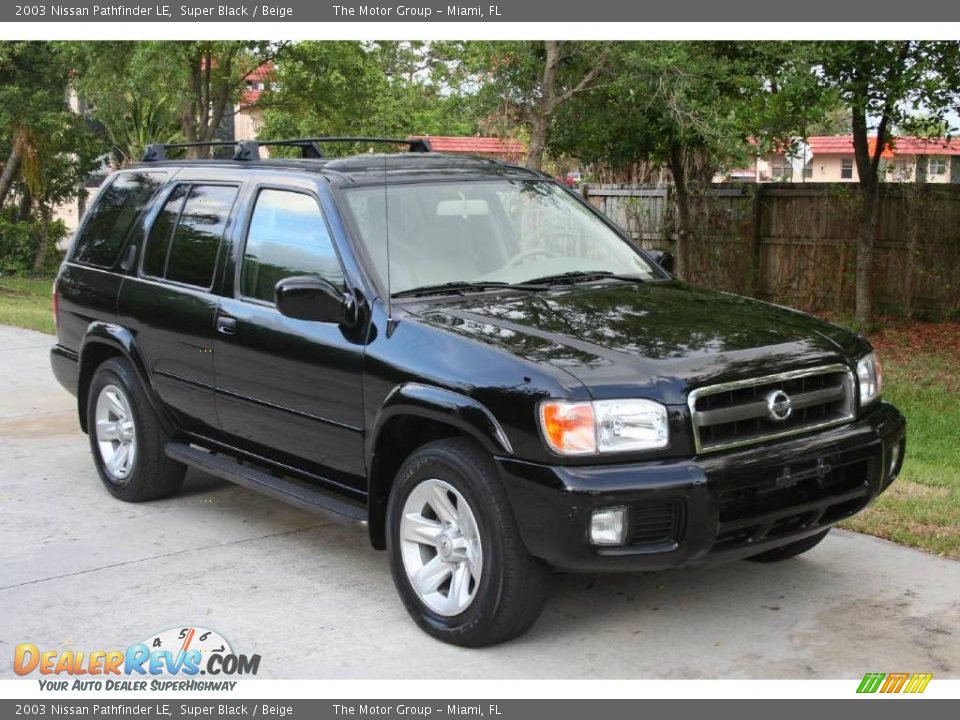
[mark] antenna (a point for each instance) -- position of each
(386, 226)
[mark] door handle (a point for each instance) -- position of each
(226, 324)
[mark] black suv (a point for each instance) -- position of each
(465, 356)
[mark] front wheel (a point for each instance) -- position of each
(456, 555)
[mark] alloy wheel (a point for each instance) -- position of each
(441, 548)
(116, 432)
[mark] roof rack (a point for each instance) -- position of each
(309, 147)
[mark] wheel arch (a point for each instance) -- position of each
(412, 415)
(101, 342)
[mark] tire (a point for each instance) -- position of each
(117, 400)
(509, 595)
(786, 552)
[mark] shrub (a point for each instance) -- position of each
(19, 240)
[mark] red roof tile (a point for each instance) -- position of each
(831, 145)
(261, 73)
(843, 145)
(474, 145)
(922, 146)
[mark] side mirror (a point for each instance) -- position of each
(313, 298)
(663, 258)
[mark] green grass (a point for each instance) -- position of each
(922, 377)
(25, 302)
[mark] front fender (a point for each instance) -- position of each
(444, 406)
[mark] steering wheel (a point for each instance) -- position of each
(522, 258)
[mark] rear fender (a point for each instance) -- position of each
(101, 341)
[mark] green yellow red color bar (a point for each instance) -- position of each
(894, 682)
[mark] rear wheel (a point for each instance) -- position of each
(126, 437)
(786, 552)
(456, 555)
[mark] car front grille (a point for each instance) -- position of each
(745, 412)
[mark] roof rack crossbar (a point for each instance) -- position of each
(309, 147)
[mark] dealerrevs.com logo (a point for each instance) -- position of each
(170, 660)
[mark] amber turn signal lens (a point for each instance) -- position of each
(569, 427)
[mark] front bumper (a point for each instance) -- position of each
(709, 509)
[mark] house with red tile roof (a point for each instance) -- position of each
(247, 115)
(831, 159)
(904, 159)
(504, 149)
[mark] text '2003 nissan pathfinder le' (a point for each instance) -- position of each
(468, 358)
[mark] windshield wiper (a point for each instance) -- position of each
(462, 286)
(575, 276)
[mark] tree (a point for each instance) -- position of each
(356, 88)
(689, 106)
(527, 82)
(885, 84)
(51, 148)
(144, 90)
(32, 86)
(119, 85)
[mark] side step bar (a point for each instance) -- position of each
(286, 489)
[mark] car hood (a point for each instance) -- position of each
(654, 339)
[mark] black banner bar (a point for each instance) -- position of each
(175, 709)
(538, 11)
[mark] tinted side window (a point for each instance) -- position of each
(158, 244)
(193, 253)
(115, 209)
(287, 237)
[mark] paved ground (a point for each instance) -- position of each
(80, 569)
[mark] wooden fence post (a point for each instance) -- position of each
(757, 238)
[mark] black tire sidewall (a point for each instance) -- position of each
(431, 464)
(153, 474)
(110, 373)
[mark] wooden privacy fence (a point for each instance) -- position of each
(796, 243)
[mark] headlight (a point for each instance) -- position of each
(870, 377)
(584, 428)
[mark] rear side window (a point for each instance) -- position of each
(155, 255)
(115, 210)
(288, 236)
(186, 235)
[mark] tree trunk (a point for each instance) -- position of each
(866, 230)
(543, 106)
(40, 259)
(684, 216)
(538, 142)
(26, 205)
(10, 169)
(868, 164)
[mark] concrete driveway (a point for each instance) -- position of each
(79, 569)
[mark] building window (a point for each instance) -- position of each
(781, 170)
(846, 169)
(937, 166)
(808, 172)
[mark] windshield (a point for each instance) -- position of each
(501, 231)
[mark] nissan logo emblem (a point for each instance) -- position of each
(779, 406)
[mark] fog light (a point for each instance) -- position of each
(608, 526)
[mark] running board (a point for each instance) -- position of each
(285, 489)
